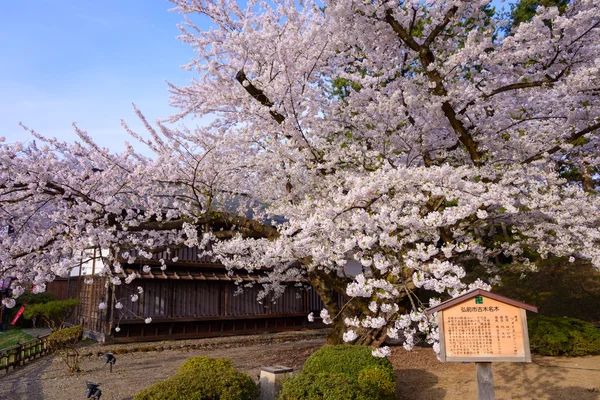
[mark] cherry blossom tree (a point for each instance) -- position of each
(407, 136)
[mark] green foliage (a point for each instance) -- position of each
(64, 343)
(55, 313)
(326, 386)
(525, 10)
(199, 364)
(554, 336)
(203, 378)
(559, 288)
(65, 337)
(377, 381)
(342, 372)
(35, 298)
(29, 299)
(340, 87)
(12, 338)
(345, 358)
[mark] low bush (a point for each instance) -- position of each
(325, 386)
(27, 299)
(34, 298)
(65, 337)
(64, 343)
(377, 382)
(342, 372)
(553, 336)
(54, 313)
(203, 378)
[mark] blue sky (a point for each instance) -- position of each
(86, 61)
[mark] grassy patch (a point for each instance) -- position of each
(12, 337)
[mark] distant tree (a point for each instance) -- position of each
(525, 10)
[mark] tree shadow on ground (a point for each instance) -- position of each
(542, 382)
(25, 382)
(417, 384)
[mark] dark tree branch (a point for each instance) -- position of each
(427, 57)
(401, 32)
(258, 94)
(570, 139)
(436, 31)
(463, 135)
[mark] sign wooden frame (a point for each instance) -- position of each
(483, 320)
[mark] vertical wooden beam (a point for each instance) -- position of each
(525, 335)
(94, 262)
(485, 381)
(441, 335)
(106, 327)
(79, 294)
(68, 287)
(226, 307)
(171, 306)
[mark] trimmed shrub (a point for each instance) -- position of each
(54, 313)
(34, 298)
(64, 343)
(326, 386)
(342, 372)
(344, 358)
(203, 378)
(28, 299)
(377, 382)
(553, 336)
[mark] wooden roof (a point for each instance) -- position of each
(191, 255)
(479, 292)
(191, 274)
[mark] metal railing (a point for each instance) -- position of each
(21, 353)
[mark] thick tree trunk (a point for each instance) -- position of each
(332, 291)
(325, 288)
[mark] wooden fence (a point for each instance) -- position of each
(21, 353)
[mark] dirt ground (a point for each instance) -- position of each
(419, 375)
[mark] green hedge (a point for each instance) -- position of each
(342, 372)
(553, 336)
(203, 378)
(63, 338)
(64, 343)
(54, 313)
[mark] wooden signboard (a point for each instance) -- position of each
(483, 327)
(480, 326)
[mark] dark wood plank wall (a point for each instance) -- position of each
(182, 308)
(59, 288)
(174, 300)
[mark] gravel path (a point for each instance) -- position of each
(136, 368)
(26, 382)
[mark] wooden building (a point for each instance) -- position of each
(193, 297)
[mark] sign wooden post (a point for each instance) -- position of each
(483, 327)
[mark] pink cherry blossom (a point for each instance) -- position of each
(343, 146)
